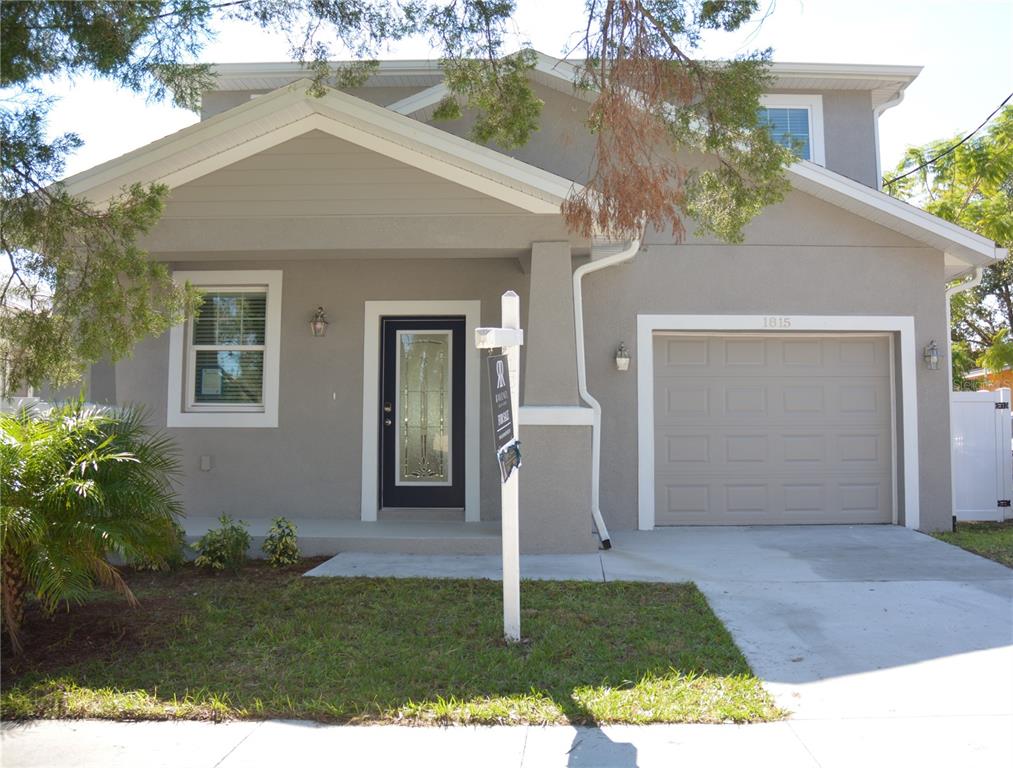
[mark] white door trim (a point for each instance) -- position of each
(647, 325)
(472, 311)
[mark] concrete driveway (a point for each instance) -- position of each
(839, 621)
(848, 621)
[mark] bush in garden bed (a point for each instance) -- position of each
(80, 484)
(223, 548)
(281, 545)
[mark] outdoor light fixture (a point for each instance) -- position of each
(319, 323)
(931, 355)
(622, 357)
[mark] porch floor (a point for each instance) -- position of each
(324, 536)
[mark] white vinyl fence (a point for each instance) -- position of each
(982, 457)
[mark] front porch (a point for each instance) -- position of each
(406, 236)
(319, 537)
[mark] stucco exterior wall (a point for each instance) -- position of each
(562, 144)
(849, 133)
(309, 467)
(804, 257)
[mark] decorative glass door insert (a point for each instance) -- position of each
(425, 392)
(421, 419)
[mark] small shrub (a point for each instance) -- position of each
(281, 545)
(223, 548)
(172, 559)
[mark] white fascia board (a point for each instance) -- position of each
(555, 73)
(224, 124)
(960, 243)
(449, 148)
(246, 76)
(423, 101)
(288, 112)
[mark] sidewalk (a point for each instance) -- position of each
(926, 742)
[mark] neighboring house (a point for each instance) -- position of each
(779, 381)
(985, 379)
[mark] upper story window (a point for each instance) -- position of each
(796, 122)
(223, 363)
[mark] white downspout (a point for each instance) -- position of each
(625, 254)
(952, 291)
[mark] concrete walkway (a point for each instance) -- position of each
(891, 648)
(902, 742)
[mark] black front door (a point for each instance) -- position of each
(421, 417)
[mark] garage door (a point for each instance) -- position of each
(772, 429)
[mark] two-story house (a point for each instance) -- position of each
(785, 380)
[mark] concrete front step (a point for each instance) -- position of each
(329, 537)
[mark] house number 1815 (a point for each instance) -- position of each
(776, 322)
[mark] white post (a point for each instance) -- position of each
(508, 339)
(511, 318)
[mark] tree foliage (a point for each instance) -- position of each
(76, 286)
(971, 186)
(79, 485)
(677, 137)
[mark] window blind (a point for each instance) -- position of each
(227, 346)
(790, 128)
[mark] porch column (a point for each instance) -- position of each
(550, 372)
(555, 488)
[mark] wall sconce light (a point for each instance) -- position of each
(931, 355)
(622, 358)
(319, 323)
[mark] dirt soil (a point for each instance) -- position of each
(107, 625)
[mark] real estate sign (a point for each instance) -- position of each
(507, 447)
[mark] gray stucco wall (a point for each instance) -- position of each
(804, 257)
(849, 130)
(310, 466)
(849, 134)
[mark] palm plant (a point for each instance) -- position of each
(77, 485)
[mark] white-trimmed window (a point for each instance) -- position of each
(796, 121)
(223, 362)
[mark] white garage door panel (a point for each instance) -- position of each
(772, 429)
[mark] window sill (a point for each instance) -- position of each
(256, 419)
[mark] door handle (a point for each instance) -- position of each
(387, 422)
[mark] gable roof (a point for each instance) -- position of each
(289, 112)
(964, 249)
(884, 81)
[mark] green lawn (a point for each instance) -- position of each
(991, 540)
(272, 644)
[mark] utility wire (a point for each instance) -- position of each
(948, 150)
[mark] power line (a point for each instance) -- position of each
(948, 150)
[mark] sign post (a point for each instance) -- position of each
(504, 388)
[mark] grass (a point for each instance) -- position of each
(991, 540)
(268, 643)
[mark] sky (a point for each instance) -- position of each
(963, 45)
